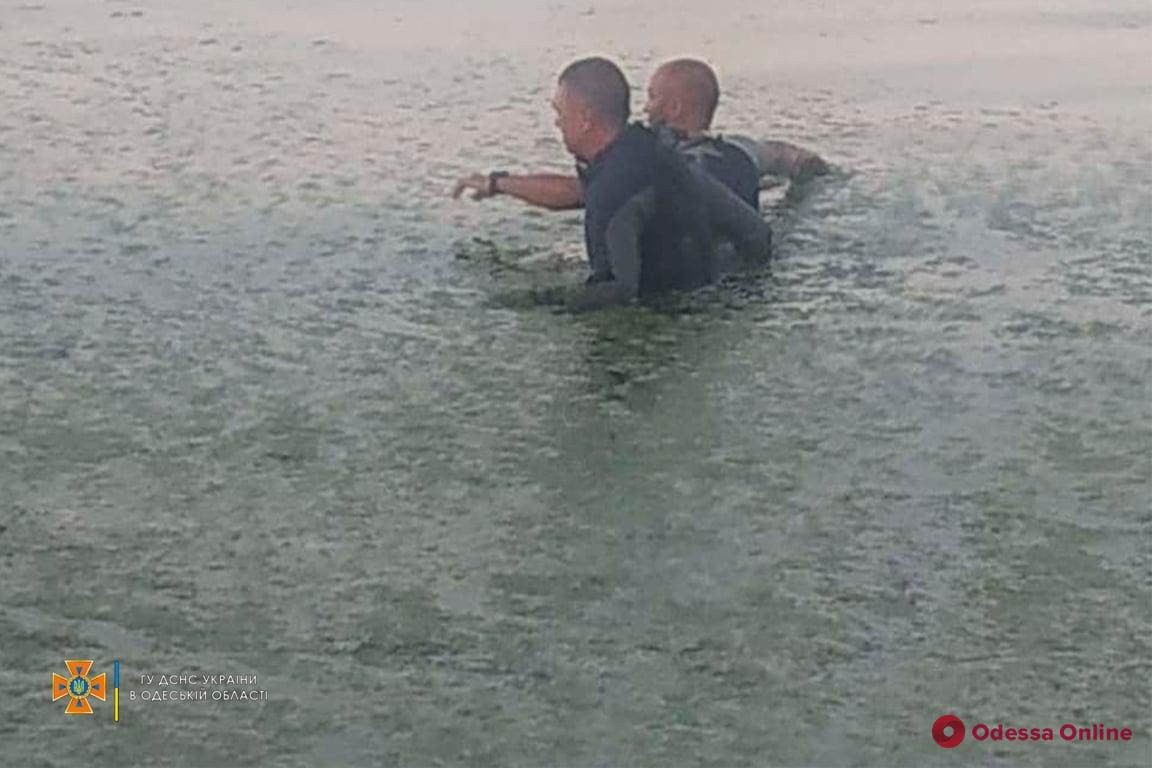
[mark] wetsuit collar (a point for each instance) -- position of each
(588, 168)
(677, 138)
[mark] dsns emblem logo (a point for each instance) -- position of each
(78, 686)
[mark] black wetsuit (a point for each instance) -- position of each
(639, 197)
(726, 162)
(649, 221)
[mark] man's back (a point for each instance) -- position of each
(640, 197)
(727, 163)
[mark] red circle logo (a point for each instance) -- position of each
(948, 731)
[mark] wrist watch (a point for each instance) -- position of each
(492, 179)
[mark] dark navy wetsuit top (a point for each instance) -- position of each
(642, 223)
(725, 161)
(649, 220)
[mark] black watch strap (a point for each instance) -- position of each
(492, 178)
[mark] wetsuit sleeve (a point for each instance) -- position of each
(779, 158)
(749, 147)
(622, 240)
(733, 219)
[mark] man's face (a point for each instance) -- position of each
(663, 104)
(571, 119)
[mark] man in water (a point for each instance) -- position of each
(682, 98)
(649, 214)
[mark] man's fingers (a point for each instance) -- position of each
(468, 182)
(478, 185)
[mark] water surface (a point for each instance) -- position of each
(268, 405)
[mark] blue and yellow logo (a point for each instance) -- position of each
(78, 686)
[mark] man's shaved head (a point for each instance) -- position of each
(601, 86)
(686, 92)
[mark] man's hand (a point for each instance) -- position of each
(807, 166)
(479, 183)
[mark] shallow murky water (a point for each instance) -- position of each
(269, 405)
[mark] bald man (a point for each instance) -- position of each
(682, 98)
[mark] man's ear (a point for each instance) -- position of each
(586, 119)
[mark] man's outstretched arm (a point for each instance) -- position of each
(553, 191)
